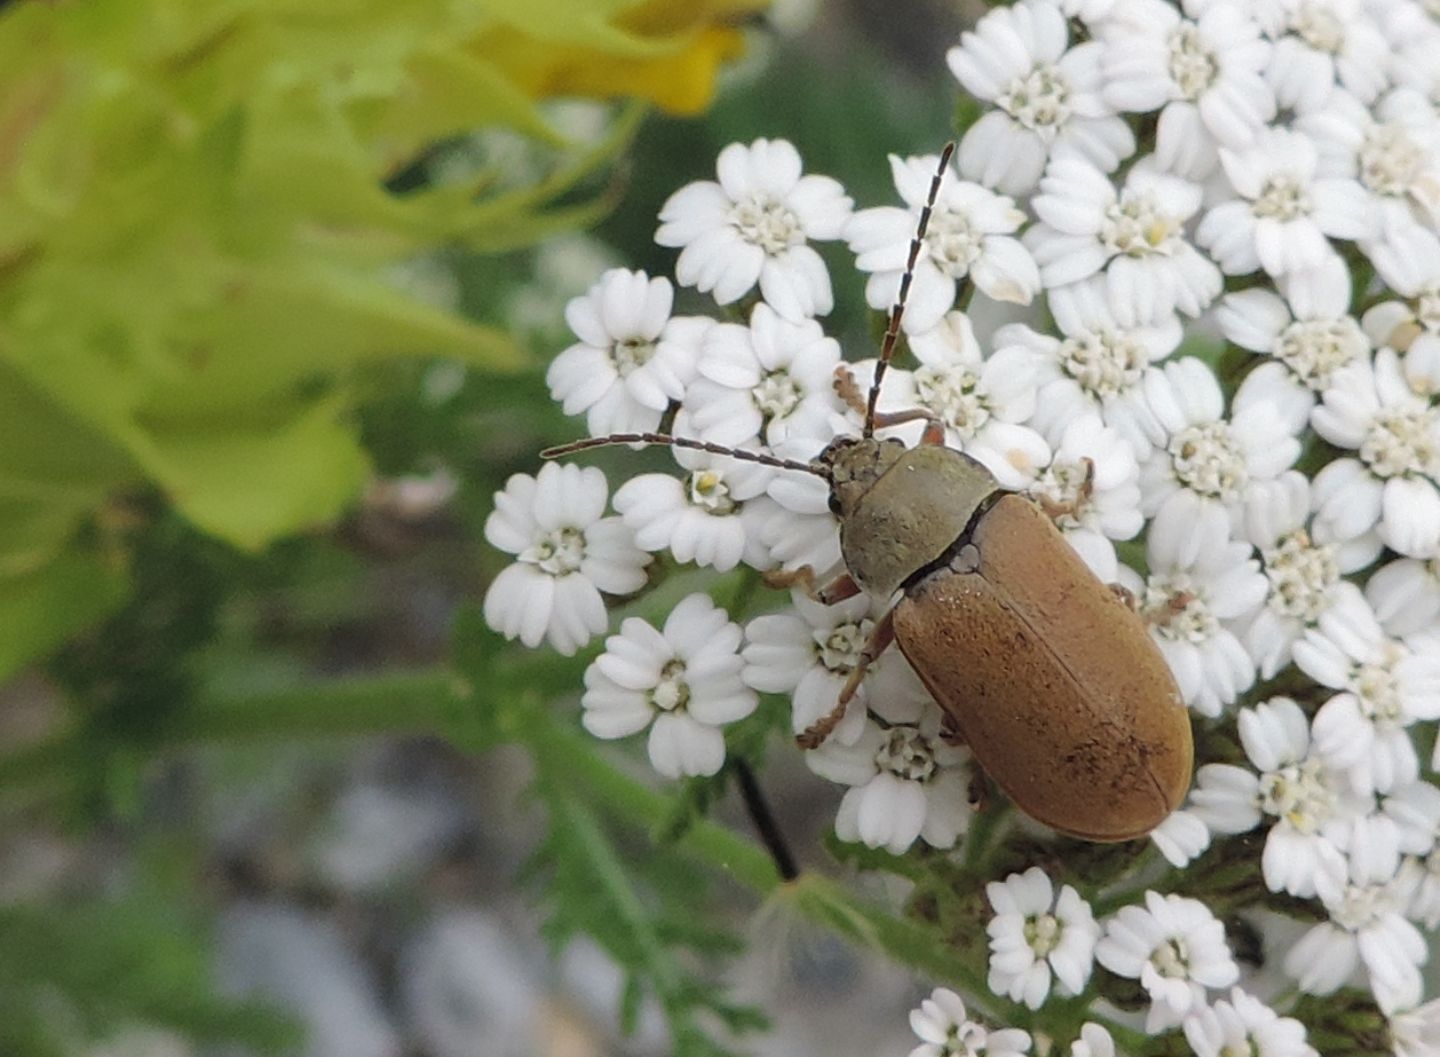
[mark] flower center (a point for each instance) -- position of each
(952, 242)
(1207, 461)
(966, 1040)
(906, 754)
(1399, 443)
(1379, 692)
(766, 223)
(630, 354)
(1040, 100)
(1390, 161)
(1062, 483)
(840, 646)
(777, 395)
(708, 490)
(1042, 933)
(1360, 906)
(1137, 227)
(1283, 197)
(1301, 574)
(1192, 62)
(951, 392)
(1315, 349)
(1299, 795)
(1173, 606)
(1319, 27)
(671, 693)
(559, 552)
(1172, 959)
(1243, 1048)
(1105, 364)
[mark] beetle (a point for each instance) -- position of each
(1045, 672)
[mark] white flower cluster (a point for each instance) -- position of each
(1147, 179)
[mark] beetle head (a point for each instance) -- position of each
(855, 465)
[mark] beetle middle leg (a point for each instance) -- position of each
(880, 638)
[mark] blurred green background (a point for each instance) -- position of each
(278, 284)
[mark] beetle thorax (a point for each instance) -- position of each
(901, 509)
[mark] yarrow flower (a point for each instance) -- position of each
(1044, 96)
(754, 226)
(1176, 948)
(970, 236)
(683, 682)
(632, 358)
(946, 1030)
(1036, 933)
(566, 554)
(1244, 1024)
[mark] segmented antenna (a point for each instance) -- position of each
(892, 330)
(668, 441)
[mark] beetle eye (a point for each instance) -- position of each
(834, 504)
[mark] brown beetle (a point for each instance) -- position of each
(1050, 678)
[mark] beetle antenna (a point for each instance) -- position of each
(892, 330)
(743, 454)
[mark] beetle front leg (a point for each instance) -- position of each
(837, 590)
(848, 390)
(1056, 509)
(880, 638)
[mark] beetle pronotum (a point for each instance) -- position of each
(1052, 680)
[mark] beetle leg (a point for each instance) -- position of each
(880, 638)
(848, 391)
(1055, 509)
(979, 791)
(837, 590)
(1125, 595)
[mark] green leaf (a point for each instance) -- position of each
(41, 609)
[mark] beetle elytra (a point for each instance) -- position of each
(1050, 678)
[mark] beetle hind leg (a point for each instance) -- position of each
(880, 638)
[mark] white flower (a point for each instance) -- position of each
(754, 225)
(1394, 153)
(1405, 595)
(772, 379)
(1209, 462)
(1367, 927)
(794, 521)
(1245, 1025)
(1035, 933)
(1385, 687)
(566, 554)
(1412, 326)
(1303, 574)
(907, 782)
(1394, 483)
(981, 402)
(1200, 580)
(702, 516)
(1322, 43)
(1308, 336)
(970, 234)
(1176, 948)
(632, 358)
(1091, 452)
(1204, 70)
(1134, 236)
(1044, 96)
(810, 652)
(1099, 366)
(1284, 211)
(1094, 1041)
(1307, 799)
(683, 682)
(946, 1030)
(1415, 1032)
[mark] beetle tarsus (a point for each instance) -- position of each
(1126, 596)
